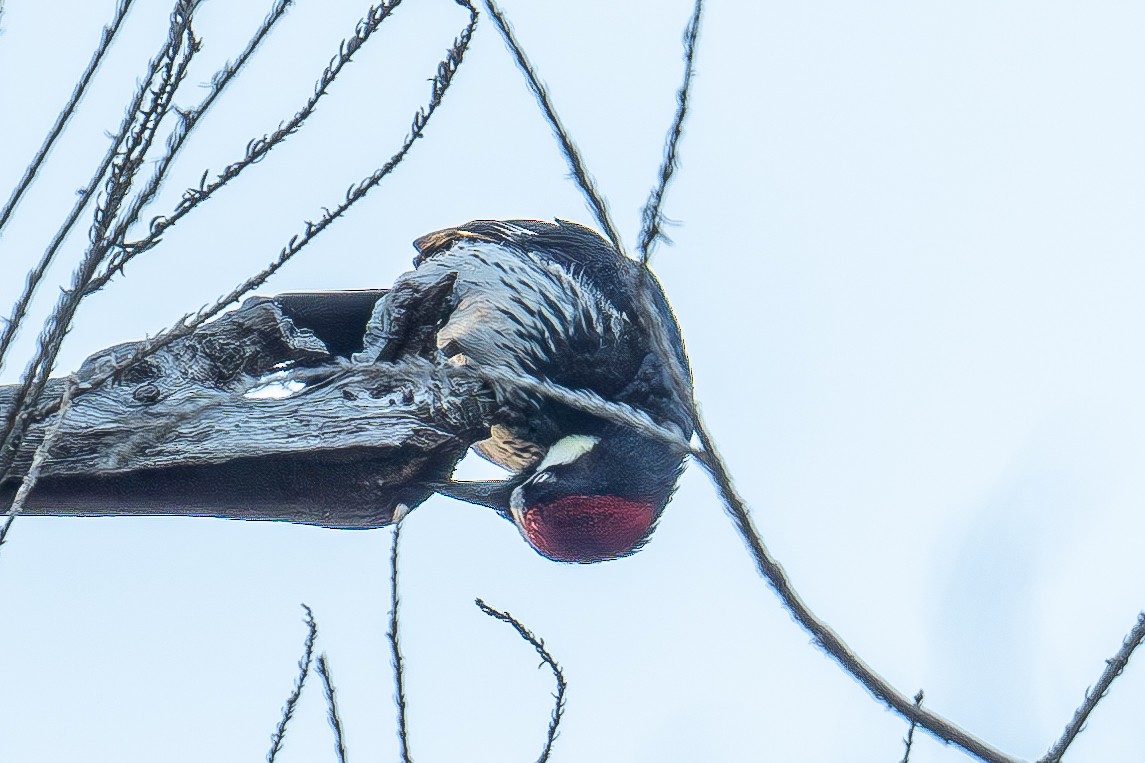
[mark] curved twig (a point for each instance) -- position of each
(824, 635)
(546, 659)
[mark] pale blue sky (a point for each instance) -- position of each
(908, 270)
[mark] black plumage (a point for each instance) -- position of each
(555, 301)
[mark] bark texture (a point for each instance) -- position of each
(181, 434)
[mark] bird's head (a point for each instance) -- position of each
(590, 499)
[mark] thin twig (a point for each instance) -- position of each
(824, 636)
(38, 458)
(276, 738)
(584, 180)
(105, 41)
(1113, 668)
(909, 741)
(145, 128)
(395, 647)
(652, 217)
(584, 400)
(332, 708)
(187, 123)
(258, 148)
(547, 659)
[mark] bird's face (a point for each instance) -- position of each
(589, 499)
(570, 511)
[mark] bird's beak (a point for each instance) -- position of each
(494, 494)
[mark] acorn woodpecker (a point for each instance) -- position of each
(555, 301)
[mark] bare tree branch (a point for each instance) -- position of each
(256, 149)
(584, 180)
(581, 399)
(186, 432)
(1113, 668)
(823, 634)
(124, 162)
(332, 708)
(652, 218)
(279, 734)
(105, 41)
(395, 647)
(187, 122)
(546, 659)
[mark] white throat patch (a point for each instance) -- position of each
(567, 449)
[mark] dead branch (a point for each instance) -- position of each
(178, 433)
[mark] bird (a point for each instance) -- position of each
(555, 301)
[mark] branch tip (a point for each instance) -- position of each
(546, 659)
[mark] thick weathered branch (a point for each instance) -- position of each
(181, 434)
